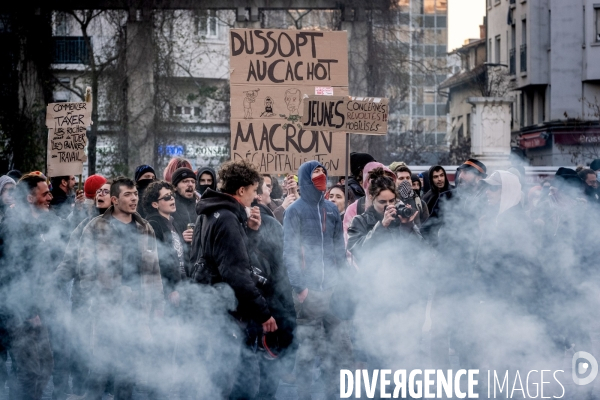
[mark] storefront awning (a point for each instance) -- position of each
(533, 140)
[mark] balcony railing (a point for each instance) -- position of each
(512, 62)
(70, 50)
(523, 58)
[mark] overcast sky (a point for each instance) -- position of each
(464, 18)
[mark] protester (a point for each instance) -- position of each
(7, 200)
(276, 190)
(361, 205)
(277, 207)
(174, 164)
(159, 203)
(31, 246)
(278, 359)
(381, 221)
(314, 256)
(357, 163)
(417, 184)
(588, 176)
(228, 229)
(207, 178)
(337, 195)
(144, 176)
(67, 272)
(121, 285)
(184, 182)
(63, 195)
(407, 195)
(15, 174)
(595, 166)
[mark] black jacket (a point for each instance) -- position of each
(168, 259)
(366, 234)
(186, 212)
(226, 240)
(61, 203)
(355, 190)
(268, 257)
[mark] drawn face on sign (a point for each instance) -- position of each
(293, 100)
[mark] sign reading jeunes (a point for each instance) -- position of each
(271, 71)
(366, 115)
(67, 123)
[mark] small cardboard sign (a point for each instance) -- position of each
(67, 124)
(365, 115)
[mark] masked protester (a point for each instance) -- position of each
(206, 179)
(276, 352)
(314, 256)
(66, 272)
(355, 186)
(226, 232)
(144, 176)
(121, 287)
(31, 247)
(407, 195)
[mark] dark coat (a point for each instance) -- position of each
(185, 214)
(168, 260)
(313, 237)
(366, 234)
(355, 190)
(268, 256)
(61, 203)
(226, 240)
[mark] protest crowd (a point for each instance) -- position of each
(224, 284)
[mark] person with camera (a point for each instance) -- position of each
(226, 231)
(386, 218)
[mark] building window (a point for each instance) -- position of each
(61, 24)
(523, 55)
(489, 52)
(70, 50)
(498, 50)
(209, 25)
(597, 17)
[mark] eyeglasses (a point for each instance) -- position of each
(103, 192)
(167, 197)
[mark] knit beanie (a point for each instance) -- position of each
(141, 170)
(92, 184)
(181, 174)
(358, 162)
(5, 180)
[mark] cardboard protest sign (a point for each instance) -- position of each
(277, 56)
(271, 71)
(67, 123)
(273, 102)
(366, 115)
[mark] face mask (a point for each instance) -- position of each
(143, 183)
(320, 182)
(202, 189)
(405, 189)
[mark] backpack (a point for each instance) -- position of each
(202, 272)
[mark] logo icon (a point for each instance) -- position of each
(580, 365)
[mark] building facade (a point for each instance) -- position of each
(551, 49)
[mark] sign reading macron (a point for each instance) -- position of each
(271, 71)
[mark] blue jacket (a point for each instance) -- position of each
(313, 248)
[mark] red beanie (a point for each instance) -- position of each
(92, 184)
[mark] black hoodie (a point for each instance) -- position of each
(433, 195)
(206, 170)
(225, 243)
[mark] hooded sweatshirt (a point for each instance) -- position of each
(206, 170)
(433, 195)
(313, 249)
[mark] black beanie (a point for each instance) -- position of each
(181, 174)
(358, 162)
(595, 165)
(141, 170)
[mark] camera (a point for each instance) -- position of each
(403, 211)
(258, 279)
